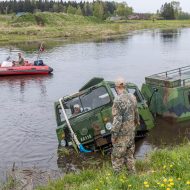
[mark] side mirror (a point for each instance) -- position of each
(155, 89)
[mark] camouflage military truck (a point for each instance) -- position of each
(168, 93)
(88, 113)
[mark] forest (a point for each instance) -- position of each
(99, 9)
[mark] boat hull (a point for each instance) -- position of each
(25, 70)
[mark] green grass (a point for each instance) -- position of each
(9, 185)
(44, 26)
(162, 170)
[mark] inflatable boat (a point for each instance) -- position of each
(38, 67)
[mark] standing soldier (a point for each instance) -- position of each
(125, 119)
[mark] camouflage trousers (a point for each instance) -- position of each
(123, 154)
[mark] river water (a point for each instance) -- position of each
(27, 121)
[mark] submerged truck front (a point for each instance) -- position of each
(93, 122)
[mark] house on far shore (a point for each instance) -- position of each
(140, 16)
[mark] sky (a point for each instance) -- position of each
(151, 6)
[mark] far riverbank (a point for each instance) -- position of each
(26, 28)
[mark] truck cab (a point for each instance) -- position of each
(89, 112)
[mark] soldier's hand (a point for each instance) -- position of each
(137, 123)
(113, 140)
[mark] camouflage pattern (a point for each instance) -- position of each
(172, 96)
(125, 119)
(90, 124)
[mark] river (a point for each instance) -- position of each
(27, 120)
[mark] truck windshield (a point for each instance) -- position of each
(90, 100)
(136, 93)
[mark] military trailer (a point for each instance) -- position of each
(168, 93)
(85, 117)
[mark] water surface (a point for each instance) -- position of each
(27, 121)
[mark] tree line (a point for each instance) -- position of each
(172, 11)
(98, 9)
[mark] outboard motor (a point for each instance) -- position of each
(50, 69)
(39, 62)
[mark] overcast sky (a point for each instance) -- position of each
(154, 5)
(150, 6)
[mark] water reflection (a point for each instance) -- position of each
(32, 46)
(24, 81)
(170, 35)
(169, 133)
(113, 39)
(165, 134)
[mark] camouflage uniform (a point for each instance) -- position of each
(125, 119)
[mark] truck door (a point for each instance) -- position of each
(146, 118)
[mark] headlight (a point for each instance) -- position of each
(63, 142)
(108, 126)
(103, 132)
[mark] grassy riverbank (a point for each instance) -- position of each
(44, 26)
(162, 170)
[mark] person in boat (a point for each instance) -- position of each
(125, 119)
(20, 61)
(76, 109)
